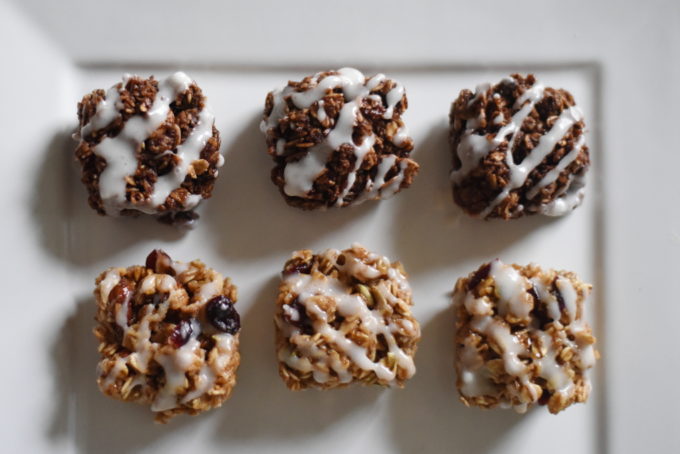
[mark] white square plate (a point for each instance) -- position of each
(623, 239)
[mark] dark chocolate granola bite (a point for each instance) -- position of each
(518, 149)
(168, 336)
(338, 139)
(344, 317)
(521, 338)
(148, 147)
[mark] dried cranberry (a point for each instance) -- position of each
(119, 295)
(539, 312)
(120, 292)
(481, 274)
(294, 267)
(558, 295)
(545, 397)
(181, 334)
(221, 313)
(303, 322)
(173, 316)
(160, 262)
(532, 291)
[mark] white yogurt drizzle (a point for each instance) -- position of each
(175, 362)
(175, 365)
(512, 289)
(120, 152)
(311, 358)
(473, 147)
(514, 299)
(111, 279)
(300, 175)
(210, 289)
(178, 362)
(143, 349)
(108, 109)
(475, 378)
(585, 354)
(555, 172)
(569, 200)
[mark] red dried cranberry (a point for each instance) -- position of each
(119, 295)
(221, 314)
(558, 295)
(532, 291)
(120, 292)
(160, 262)
(294, 267)
(481, 274)
(181, 334)
(545, 397)
(303, 322)
(540, 311)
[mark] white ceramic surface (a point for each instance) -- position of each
(619, 61)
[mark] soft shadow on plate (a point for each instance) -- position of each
(427, 415)
(431, 231)
(94, 238)
(51, 198)
(67, 227)
(101, 424)
(261, 406)
(63, 366)
(249, 217)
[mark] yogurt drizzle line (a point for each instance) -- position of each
(299, 176)
(120, 151)
(473, 147)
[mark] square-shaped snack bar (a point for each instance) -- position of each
(521, 338)
(168, 335)
(343, 317)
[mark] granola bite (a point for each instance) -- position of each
(148, 147)
(521, 338)
(338, 139)
(518, 149)
(168, 335)
(343, 317)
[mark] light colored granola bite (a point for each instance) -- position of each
(343, 317)
(168, 335)
(521, 338)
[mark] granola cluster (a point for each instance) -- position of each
(518, 149)
(168, 335)
(337, 139)
(148, 147)
(521, 338)
(343, 317)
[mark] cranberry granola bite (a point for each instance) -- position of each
(148, 147)
(521, 338)
(338, 139)
(344, 317)
(518, 149)
(168, 335)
